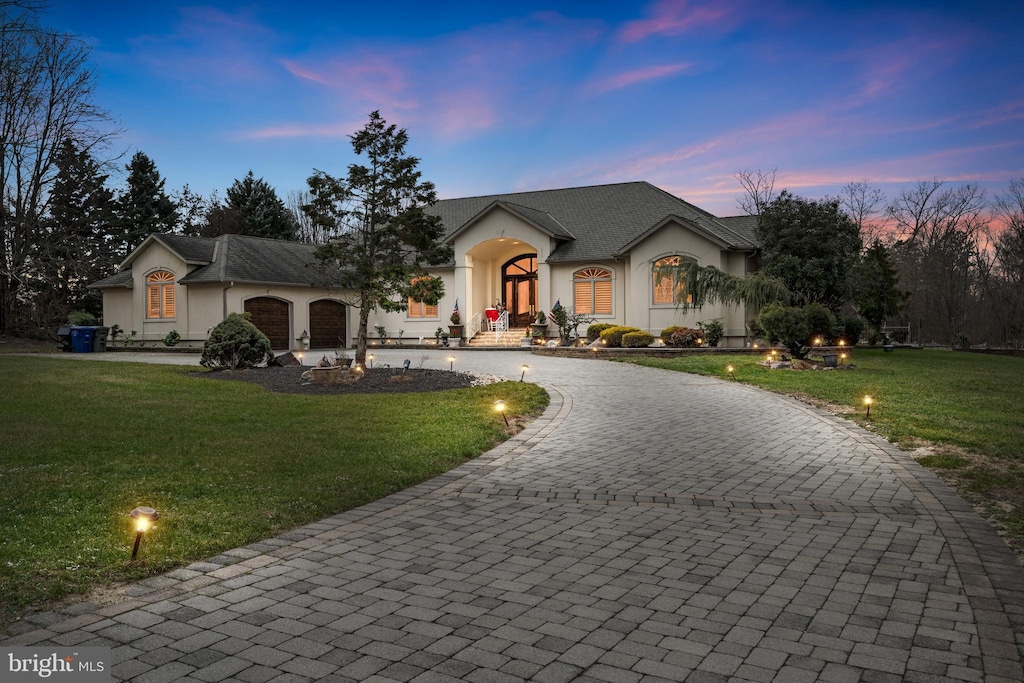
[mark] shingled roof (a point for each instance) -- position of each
(598, 221)
(234, 258)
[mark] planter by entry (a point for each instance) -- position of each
(526, 341)
(456, 331)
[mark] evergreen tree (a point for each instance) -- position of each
(260, 212)
(144, 207)
(384, 235)
(878, 293)
(75, 249)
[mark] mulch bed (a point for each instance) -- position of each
(288, 380)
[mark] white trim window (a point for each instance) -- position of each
(592, 291)
(160, 295)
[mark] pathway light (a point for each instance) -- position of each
(525, 368)
(731, 370)
(451, 363)
(144, 518)
(370, 358)
(867, 402)
(499, 405)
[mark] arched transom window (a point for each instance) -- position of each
(668, 283)
(160, 294)
(592, 291)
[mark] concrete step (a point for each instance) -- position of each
(508, 338)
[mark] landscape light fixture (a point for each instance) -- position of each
(842, 342)
(144, 518)
(731, 370)
(370, 358)
(358, 368)
(817, 341)
(700, 340)
(755, 345)
(867, 402)
(525, 368)
(499, 405)
(842, 357)
(300, 357)
(451, 363)
(405, 365)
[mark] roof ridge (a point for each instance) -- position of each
(552, 189)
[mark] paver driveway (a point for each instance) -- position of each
(650, 526)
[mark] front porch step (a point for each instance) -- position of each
(508, 338)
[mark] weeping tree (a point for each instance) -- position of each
(384, 236)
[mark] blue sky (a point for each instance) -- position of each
(502, 97)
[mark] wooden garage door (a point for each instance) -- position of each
(327, 325)
(270, 316)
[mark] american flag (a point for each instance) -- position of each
(551, 315)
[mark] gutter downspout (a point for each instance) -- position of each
(225, 296)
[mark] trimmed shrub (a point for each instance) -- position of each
(681, 337)
(236, 343)
(713, 331)
(172, 338)
(81, 318)
(637, 340)
(595, 330)
(612, 337)
(850, 328)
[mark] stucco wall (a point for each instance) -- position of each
(674, 239)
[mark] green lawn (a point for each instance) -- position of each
(224, 463)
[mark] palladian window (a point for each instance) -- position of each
(669, 286)
(592, 291)
(160, 294)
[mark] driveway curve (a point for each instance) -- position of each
(649, 526)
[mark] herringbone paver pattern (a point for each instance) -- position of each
(651, 526)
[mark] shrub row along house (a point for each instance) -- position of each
(593, 248)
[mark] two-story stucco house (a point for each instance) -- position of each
(593, 248)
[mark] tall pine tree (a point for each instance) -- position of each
(144, 207)
(260, 212)
(78, 231)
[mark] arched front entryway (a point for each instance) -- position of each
(327, 325)
(519, 289)
(270, 316)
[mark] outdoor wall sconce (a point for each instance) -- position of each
(525, 368)
(370, 358)
(499, 405)
(731, 370)
(867, 402)
(451, 363)
(144, 518)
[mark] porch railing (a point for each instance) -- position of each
(474, 326)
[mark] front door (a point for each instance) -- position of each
(519, 287)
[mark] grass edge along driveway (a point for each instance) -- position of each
(959, 414)
(224, 463)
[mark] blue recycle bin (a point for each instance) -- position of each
(81, 338)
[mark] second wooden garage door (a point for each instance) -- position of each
(270, 316)
(327, 325)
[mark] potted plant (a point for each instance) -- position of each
(456, 328)
(539, 328)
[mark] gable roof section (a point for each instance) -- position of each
(191, 250)
(538, 219)
(743, 225)
(120, 279)
(599, 221)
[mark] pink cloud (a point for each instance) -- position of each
(628, 78)
(673, 18)
(302, 130)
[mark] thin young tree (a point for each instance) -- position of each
(384, 236)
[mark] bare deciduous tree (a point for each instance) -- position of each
(864, 204)
(46, 97)
(758, 190)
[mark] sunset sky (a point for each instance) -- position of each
(502, 97)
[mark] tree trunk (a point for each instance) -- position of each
(364, 321)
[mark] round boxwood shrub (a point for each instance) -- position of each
(236, 343)
(637, 340)
(595, 330)
(612, 337)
